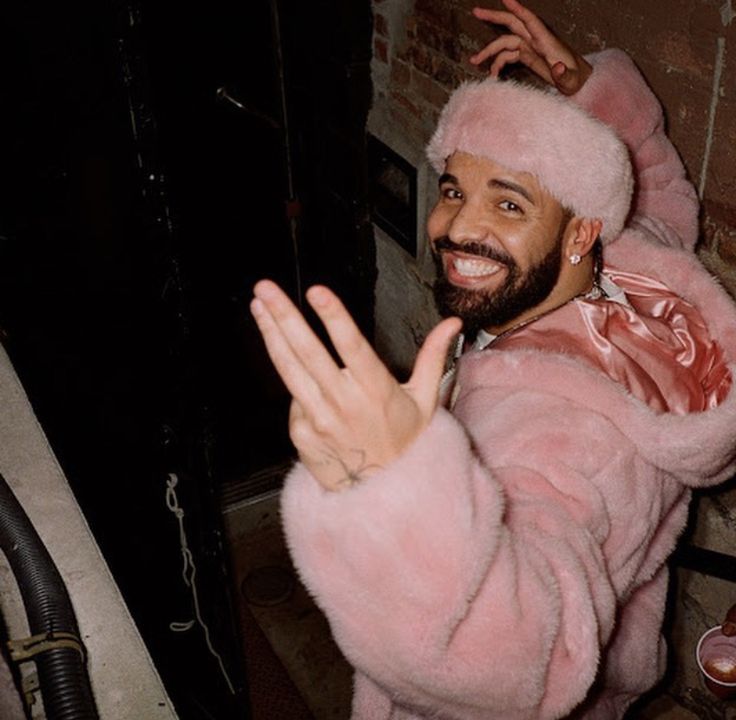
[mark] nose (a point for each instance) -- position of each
(469, 224)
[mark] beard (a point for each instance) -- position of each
(520, 292)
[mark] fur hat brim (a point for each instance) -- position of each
(577, 158)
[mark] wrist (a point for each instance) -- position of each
(585, 70)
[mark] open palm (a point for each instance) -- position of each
(346, 422)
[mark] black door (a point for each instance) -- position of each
(157, 160)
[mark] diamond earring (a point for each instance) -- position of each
(575, 259)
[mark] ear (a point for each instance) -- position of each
(581, 235)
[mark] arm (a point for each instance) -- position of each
(665, 203)
(609, 86)
(441, 575)
(449, 578)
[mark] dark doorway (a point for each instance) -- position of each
(160, 158)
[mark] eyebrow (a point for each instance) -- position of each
(492, 183)
(512, 186)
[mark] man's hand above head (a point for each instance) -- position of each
(346, 422)
(531, 43)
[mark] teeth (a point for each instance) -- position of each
(474, 268)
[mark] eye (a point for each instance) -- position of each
(451, 193)
(510, 206)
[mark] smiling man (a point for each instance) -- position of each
(502, 554)
(482, 282)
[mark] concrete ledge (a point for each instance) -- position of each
(125, 682)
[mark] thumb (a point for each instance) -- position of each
(430, 363)
(562, 77)
(568, 80)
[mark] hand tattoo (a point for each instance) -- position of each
(352, 474)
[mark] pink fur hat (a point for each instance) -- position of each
(577, 158)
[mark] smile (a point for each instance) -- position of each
(474, 267)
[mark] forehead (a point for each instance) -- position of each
(473, 169)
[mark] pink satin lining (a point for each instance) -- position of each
(660, 350)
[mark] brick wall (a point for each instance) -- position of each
(687, 51)
(683, 47)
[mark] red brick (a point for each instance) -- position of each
(448, 74)
(380, 49)
(380, 24)
(719, 215)
(719, 234)
(421, 58)
(430, 34)
(675, 50)
(674, 43)
(429, 90)
(399, 73)
(436, 11)
(465, 23)
(404, 102)
(727, 248)
(452, 48)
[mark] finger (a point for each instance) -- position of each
(541, 38)
(299, 382)
(535, 63)
(560, 75)
(297, 334)
(545, 42)
(512, 49)
(430, 363)
(505, 42)
(296, 411)
(507, 57)
(500, 17)
(352, 347)
(299, 428)
(310, 432)
(531, 23)
(302, 432)
(568, 81)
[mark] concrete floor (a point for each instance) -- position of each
(296, 629)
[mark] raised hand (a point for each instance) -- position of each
(531, 43)
(729, 622)
(346, 422)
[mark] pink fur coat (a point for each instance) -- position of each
(511, 564)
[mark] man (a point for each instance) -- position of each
(504, 556)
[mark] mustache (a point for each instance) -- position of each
(473, 248)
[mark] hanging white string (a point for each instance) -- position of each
(727, 16)
(188, 573)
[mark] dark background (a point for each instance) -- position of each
(136, 211)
